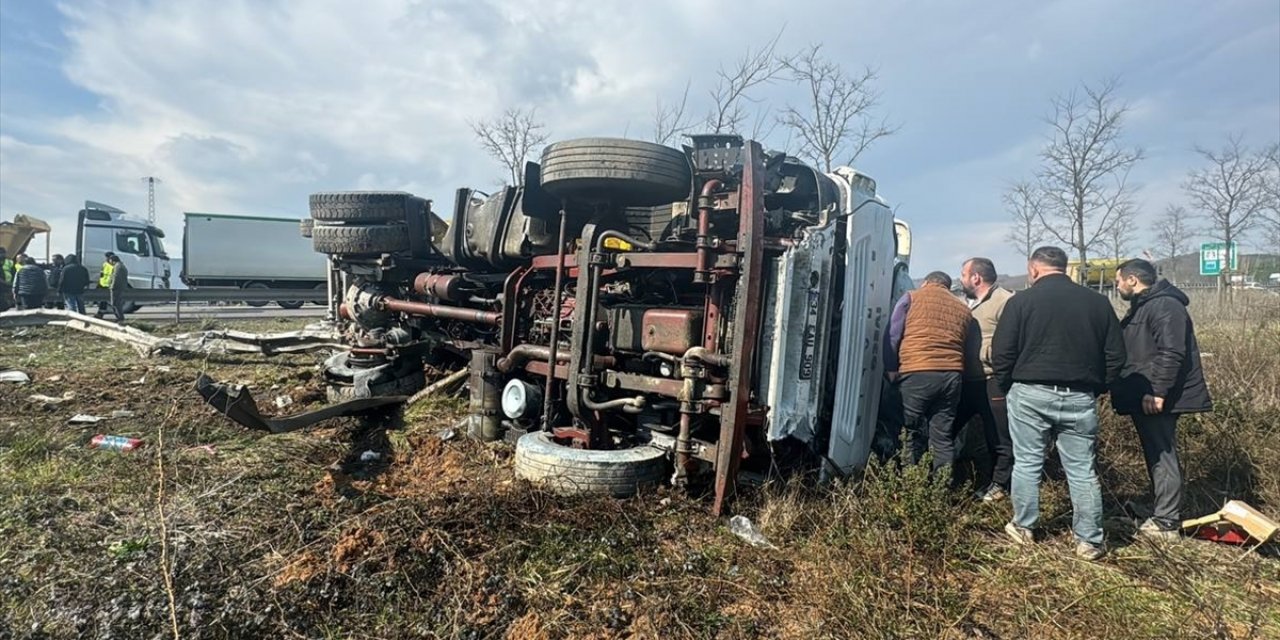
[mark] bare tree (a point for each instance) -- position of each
(669, 120)
(837, 122)
(731, 94)
(1273, 184)
(1085, 168)
(1230, 191)
(1117, 241)
(510, 137)
(1174, 235)
(1024, 202)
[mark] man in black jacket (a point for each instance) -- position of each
(30, 285)
(72, 283)
(1162, 380)
(1056, 347)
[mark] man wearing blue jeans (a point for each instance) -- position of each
(1056, 347)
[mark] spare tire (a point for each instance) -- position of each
(618, 171)
(359, 240)
(619, 473)
(304, 227)
(360, 206)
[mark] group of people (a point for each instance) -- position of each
(24, 284)
(1031, 368)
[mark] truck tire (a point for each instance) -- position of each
(257, 286)
(403, 386)
(304, 227)
(360, 206)
(290, 304)
(623, 172)
(619, 473)
(358, 240)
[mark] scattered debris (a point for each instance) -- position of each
(447, 434)
(122, 413)
(1226, 525)
(370, 456)
(84, 418)
(14, 376)
(140, 381)
(283, 401)
(164, 368)
(443, 385)
(115, 443)
(57, 378)
(205, 448)
(742, 527)
(311, 338)
(49, 401)
(235, 402)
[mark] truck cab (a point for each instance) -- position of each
(102, 228)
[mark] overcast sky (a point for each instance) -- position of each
(248, 106)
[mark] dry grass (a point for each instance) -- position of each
(291, 536)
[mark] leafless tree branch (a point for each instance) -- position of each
(1025, 205)
(733, 85)
(1175, 235)
(510, 138)
(837, 119)
(1231, 189)
(669, 120)
(1085, 167)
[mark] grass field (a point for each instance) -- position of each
(293, 536)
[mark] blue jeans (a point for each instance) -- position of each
(1038, 416)
(74, 302)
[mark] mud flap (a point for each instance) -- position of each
(235, 402)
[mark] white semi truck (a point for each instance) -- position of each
(102, 228)
(249, 252)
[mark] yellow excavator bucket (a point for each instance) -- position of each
(16, 235)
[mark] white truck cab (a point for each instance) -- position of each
(102, 228)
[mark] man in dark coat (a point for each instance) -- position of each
(1057, 347)
(30, 285)
(72, 283)
(1162, 380)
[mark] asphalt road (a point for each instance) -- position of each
(166, 312)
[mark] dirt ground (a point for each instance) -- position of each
(210, 531)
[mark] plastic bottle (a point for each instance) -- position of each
(115, 443)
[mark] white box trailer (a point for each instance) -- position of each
(249, 252)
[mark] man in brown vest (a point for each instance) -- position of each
(929, 333)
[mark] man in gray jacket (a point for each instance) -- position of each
(117, 285)
(980, 395)
(1161, 381)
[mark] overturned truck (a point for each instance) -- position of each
(632, 313)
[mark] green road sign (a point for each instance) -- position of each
(1213, 258)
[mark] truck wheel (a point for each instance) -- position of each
(322, 288)
(304, 227)
(356, 240)
(619, 473)
(360, 206)
(624, 172)
(256, 286)
(290, 304)
(403, 386)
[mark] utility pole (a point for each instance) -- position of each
(151, 198)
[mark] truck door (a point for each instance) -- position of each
(134, 249)
(96, 241)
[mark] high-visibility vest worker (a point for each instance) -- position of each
(7, 270)
(104, 280)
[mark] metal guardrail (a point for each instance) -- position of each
(184, 296)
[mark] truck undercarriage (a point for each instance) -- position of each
(631, 313)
